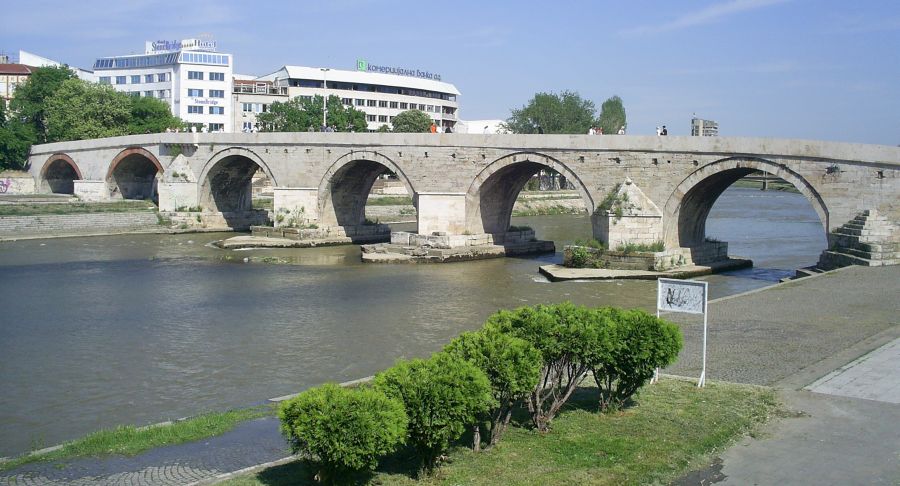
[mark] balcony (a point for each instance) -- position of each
(448, 116)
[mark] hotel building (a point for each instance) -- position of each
(189, 75)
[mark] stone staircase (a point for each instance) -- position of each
(870, 239)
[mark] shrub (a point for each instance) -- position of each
(512, 365)
(341, 430)
(569, 338)
(644, 342)
(442, 395)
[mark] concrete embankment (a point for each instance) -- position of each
(50, 225)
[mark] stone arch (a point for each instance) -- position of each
(133, 174)
(492, 194)
(226, 180)
(345, 187)
(689, 205)
(59, 173)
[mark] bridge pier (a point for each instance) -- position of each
(300, 204)
(442, 212)
(93, 191)
(174, 195)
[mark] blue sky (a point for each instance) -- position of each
(826, 70)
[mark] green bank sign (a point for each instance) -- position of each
(363, 65)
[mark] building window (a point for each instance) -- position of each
(421, 107)
(104, 79)
(148, 78)
(195, 110)
(196, 93)
(394, 104)
(195, 75)
(162, 77)
(134, 94)
(371, 103)
(370, 118)
(148, 94)
(382, 118)
(429, 108)
(360, 102)
(163, 93)
(346, 101)
(382, 104)
(216, 93)
(216, 110)
(216, 127)
(217, 76)
(136, 79)
(120, 79)
(404, 106)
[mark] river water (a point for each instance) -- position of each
(138, 329)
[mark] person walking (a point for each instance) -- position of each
(432, 128)
(665, 131)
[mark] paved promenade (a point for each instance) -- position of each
(791, 336)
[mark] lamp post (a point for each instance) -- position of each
(325, 94)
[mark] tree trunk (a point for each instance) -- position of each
(476, 438)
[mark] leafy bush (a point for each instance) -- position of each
(654, 247)
(340, 430)
(591, 243)
(512, 365)
(442, 395)
(643, 342)
(570, 339)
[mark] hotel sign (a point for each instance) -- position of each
(177, 45)
(363, 65)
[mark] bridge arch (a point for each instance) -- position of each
(492, 194)
(226, 180)
(688, 206)
(346, 185)
(133, 174)
(59, 173)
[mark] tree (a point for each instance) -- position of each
(412, 121)
(79, 110)
(512, 365)
(32, 96)
(383, 129)
(342, 430)
(442, 396)
(300, 114)
(150, 115)
(566, 112)
(16, 139)
(643, 342)
(612, 115)
(569, 338)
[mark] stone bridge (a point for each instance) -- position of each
(639, 189)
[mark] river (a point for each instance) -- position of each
(138, 329)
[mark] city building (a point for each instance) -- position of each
(11, 76)
(190, 75)
(704, 128)
(252, 97)
(30, 59)
(381, 92)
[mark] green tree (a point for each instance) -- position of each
(566, 112)
(32, 96)
(342, 430)
(294, 115)
(79, 110)
(16, 139)
(570, 339)
(412, 121)
(512, 365)
(383, 129)
(150, 115)
(643, 342)
(612, 115)
(442, 396)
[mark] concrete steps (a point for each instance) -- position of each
(869, 239)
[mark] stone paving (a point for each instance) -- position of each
(875, 376)
(798, 331)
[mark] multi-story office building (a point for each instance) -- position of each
(189, 75)
(11, 76)
(704, 128)
(370, 89)
(251, 97)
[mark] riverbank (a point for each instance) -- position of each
(787, 335)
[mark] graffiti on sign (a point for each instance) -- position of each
(681, 296)
(4, 185)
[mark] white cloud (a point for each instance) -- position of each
(708, 15)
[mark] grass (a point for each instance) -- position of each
(591, 243)
(36, 209)
(264, 203)
(642, 247)
(389, 201)
(129, 440)
(672, 428)
(553, 210)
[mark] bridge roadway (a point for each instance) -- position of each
(647, 189)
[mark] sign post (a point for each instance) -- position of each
(688, 296)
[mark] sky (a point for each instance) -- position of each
(808, 69)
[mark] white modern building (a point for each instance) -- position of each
(704, 128)
(381, 92)
(189, 75)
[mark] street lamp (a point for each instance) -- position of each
(324, 94)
